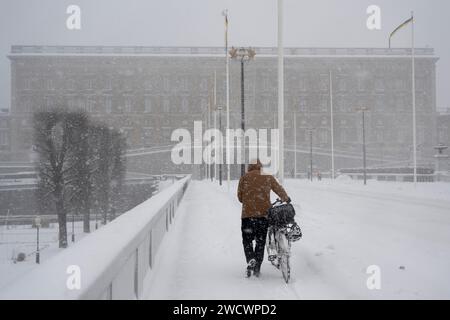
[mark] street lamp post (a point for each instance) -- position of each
(206, 163)
(311, 153)
(242, 118)
(413, 89)
(243, 54)
(363, 111)
(73, 227)
(295, 145)
(37, 222)
(214, 121)
(96, 216)
(280, 92)
(219, 108)
(227, 95)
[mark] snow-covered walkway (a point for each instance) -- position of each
(346, 229)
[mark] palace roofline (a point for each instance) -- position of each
(27, 50)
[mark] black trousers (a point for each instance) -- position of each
(254, 229)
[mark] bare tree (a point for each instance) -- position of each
(81, 163)
(56, 141)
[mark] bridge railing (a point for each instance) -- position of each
(114, 262)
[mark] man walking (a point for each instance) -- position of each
(254, 194)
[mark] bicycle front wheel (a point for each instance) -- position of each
(284, 256)
(285, 268)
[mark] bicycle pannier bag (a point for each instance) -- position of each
(281, 215)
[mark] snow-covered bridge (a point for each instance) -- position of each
(185, 243)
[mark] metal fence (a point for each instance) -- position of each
(113, 262)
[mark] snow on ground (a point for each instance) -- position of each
(347, 228)
(16, 239)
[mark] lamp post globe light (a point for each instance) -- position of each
(243, 55)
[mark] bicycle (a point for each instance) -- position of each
(280, 235)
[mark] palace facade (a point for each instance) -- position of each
(150, 91)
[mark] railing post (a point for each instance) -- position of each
(136, 273)
(150, 254)
(167, 222)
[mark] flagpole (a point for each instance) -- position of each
(280, 92)
(227, 72)
(332, 126)
(413, 55)
(295, 145)
(208, 165)
(215, 125)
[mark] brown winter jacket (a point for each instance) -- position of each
(254, 193)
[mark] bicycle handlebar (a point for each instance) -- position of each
(279, 201)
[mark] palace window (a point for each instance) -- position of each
(203, 84)
(71, 84)
(266, 105)
(379, 85)
(399, 84)
(148, 84)
(203, 104)
(128, 84)
(302, 86)
(81, 104)
(266, 84)
(379, 103)
(108, 105)
(148, 105)
(4, 139)
(443, 135)
(184, 84)
(166, 84)
(303, 104)
(362, 83)
(323, 136)
(324, 82)
(50, 84)
(166, 106)
(185, 105)
(108, 84)
(27, 84)
(323, 104)
(128, 105)
(90, 105)
(342, 84)
(90, 85)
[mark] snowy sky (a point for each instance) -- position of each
(318, 23)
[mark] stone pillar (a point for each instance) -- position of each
(442, 163)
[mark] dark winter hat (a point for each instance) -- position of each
(254, 165)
